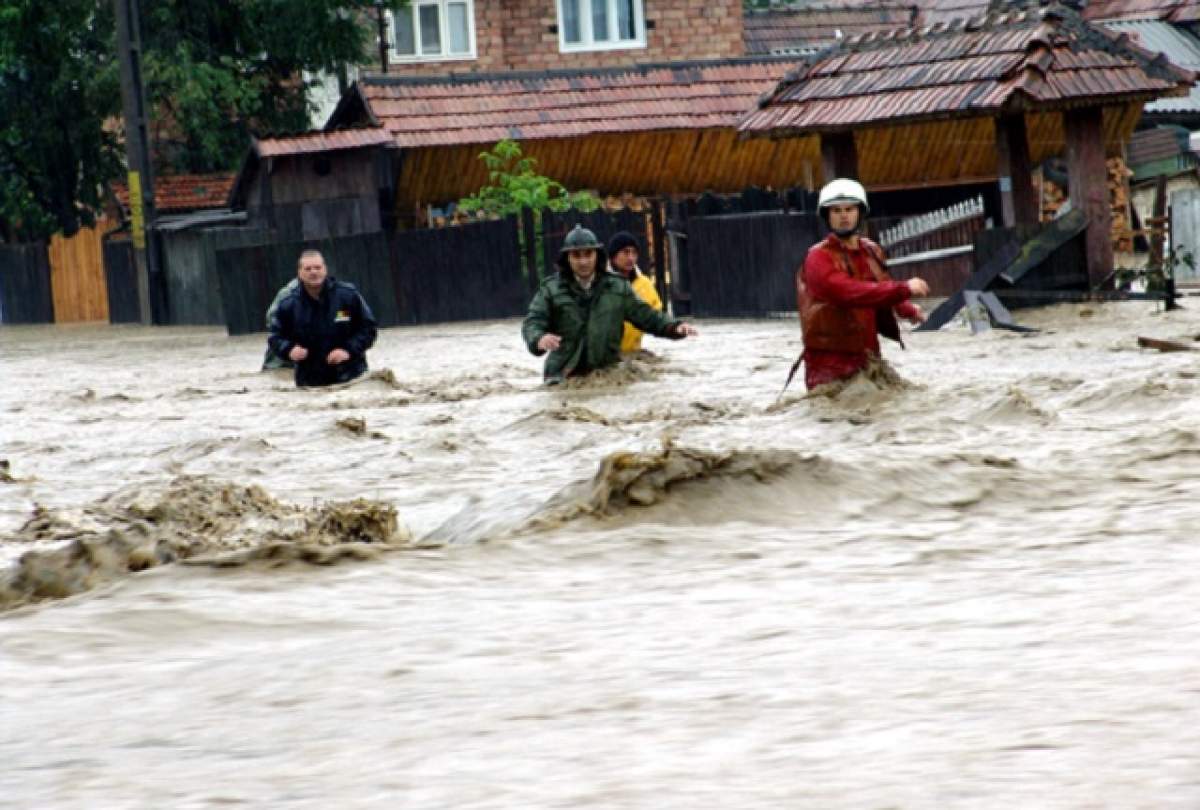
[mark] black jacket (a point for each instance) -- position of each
(339, 319)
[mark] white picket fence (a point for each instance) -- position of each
(933, 221)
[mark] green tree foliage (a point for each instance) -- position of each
(219, 70)
(516, 185)
(215, 71)
(57, 85)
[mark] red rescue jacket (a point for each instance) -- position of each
(845, 299)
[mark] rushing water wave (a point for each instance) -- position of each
(965, 582)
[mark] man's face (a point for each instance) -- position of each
(843, 219)
(312, 271)
(583, 262)
(625, 259)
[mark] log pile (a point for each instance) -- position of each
(633, 202)
(1118, 198)
(1053, 197)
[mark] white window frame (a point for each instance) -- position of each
(395, 58)
(587, 39)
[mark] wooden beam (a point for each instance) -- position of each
(1018, 203)
(839, 157)
(1087, 175)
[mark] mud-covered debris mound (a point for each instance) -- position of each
(192, 519)
(632, 479)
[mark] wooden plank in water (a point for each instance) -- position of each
(1164, 345)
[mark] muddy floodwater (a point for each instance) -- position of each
(450, 587)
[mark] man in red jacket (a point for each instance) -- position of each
(844, 294)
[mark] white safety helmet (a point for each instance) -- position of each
(843, 191)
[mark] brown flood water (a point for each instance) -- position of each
(450, 587)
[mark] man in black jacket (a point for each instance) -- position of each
(323, 326)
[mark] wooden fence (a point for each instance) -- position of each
(744, 265)
(937, 246)
(1185, 235)
(77, 275)
(25, 295)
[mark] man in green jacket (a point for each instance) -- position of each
(578, 314)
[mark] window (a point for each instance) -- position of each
(431, 30)
(598, 25)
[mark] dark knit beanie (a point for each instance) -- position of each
(621, 240)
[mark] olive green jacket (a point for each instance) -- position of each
(597, 320)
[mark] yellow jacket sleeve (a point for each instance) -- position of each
(643, 287)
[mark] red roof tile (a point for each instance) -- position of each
(321, 142)
(470, 109)
(184, 192)
(1048, 58)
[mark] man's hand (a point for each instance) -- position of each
(549, 342)
(917, 316)
(684, 330)
(337, 357)
(918, 287)
(297, 354)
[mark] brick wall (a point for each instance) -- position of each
(519, 35)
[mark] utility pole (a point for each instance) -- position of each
(137, 150)
(383, 41)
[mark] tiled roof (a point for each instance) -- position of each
(475, 109)
(1035, 60)
(321, 142)
(184, 192)
(808, 29)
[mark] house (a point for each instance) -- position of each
(437, 37)
(317, 184)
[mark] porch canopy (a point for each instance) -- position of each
(974, 101)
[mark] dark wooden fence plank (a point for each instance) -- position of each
(25, 292)
(120, 278)
(744, 265)
(466, 272)
(250, 276)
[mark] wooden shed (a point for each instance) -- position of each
(646, 129)
(975, 100)
(318, 184)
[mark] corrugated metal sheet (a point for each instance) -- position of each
(184, 192)
(1157, 144)
(467, 109)
(1039, 58)
(1174, 10)
(1180, 46)
(322, 142)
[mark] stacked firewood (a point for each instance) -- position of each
(633, 202)
(1053, 197)
(1118, 198)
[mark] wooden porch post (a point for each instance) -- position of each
(1087, 175)
(839, 157)
(1018, 203)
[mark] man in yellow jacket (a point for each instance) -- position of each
(623, 258)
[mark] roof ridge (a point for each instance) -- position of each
(382, 80)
